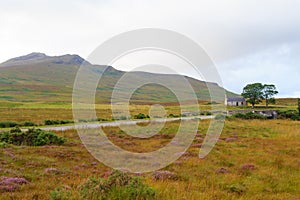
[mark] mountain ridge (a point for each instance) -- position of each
(36, 57)
(38, 77)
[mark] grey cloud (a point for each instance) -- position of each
(231, 31)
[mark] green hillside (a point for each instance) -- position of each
(40, 78)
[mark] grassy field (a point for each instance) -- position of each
(270, 147)
(254, 159)
(37, 112)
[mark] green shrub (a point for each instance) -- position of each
(3, 145)
(27, 124)
(57, 122)
(289, 114)
(51, 122)
(295, 117)
(212, 103)
(60, 193)
(207, 113)
(119, 186)
(8, 124)
(176, 116)
(87, 120)
(122, 117)
(93, 120)
(66, 121)
(220, 116)
(173, 116)
(102, 120)
(31, 137)
(141, 116)
(238, 188)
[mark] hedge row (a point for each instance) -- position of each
(57, 122)
(289, 114)
(10, 124)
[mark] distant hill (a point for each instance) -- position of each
(41, 58)
(37, 77)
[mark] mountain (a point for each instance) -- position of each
(37, 77)
(41, 58)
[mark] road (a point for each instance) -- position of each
(118, 123)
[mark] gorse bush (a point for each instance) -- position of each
(31, 137)
(118, 186)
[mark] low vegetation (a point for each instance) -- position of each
(207, 113)
(220, 116)
(94, 120)
(31, 137)
(57, 122)
(253, 159)
(289, 114)
(10, 124)
(141, 116)
(249, 115)
(117, 186)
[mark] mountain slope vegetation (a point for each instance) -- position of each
(40, 78)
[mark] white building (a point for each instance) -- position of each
(235, 101)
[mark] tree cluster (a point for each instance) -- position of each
(298, 106)
(256, 92)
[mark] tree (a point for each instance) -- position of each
(268, 93)
(299, 107)
(253, 93)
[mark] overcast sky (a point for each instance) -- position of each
(250, 41)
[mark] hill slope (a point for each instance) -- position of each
(40, 78)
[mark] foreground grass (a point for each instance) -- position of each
(271, 146)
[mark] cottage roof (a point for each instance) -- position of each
(236, 99)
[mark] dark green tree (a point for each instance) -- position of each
(269, 91)
(253, 93)
(299, 107)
